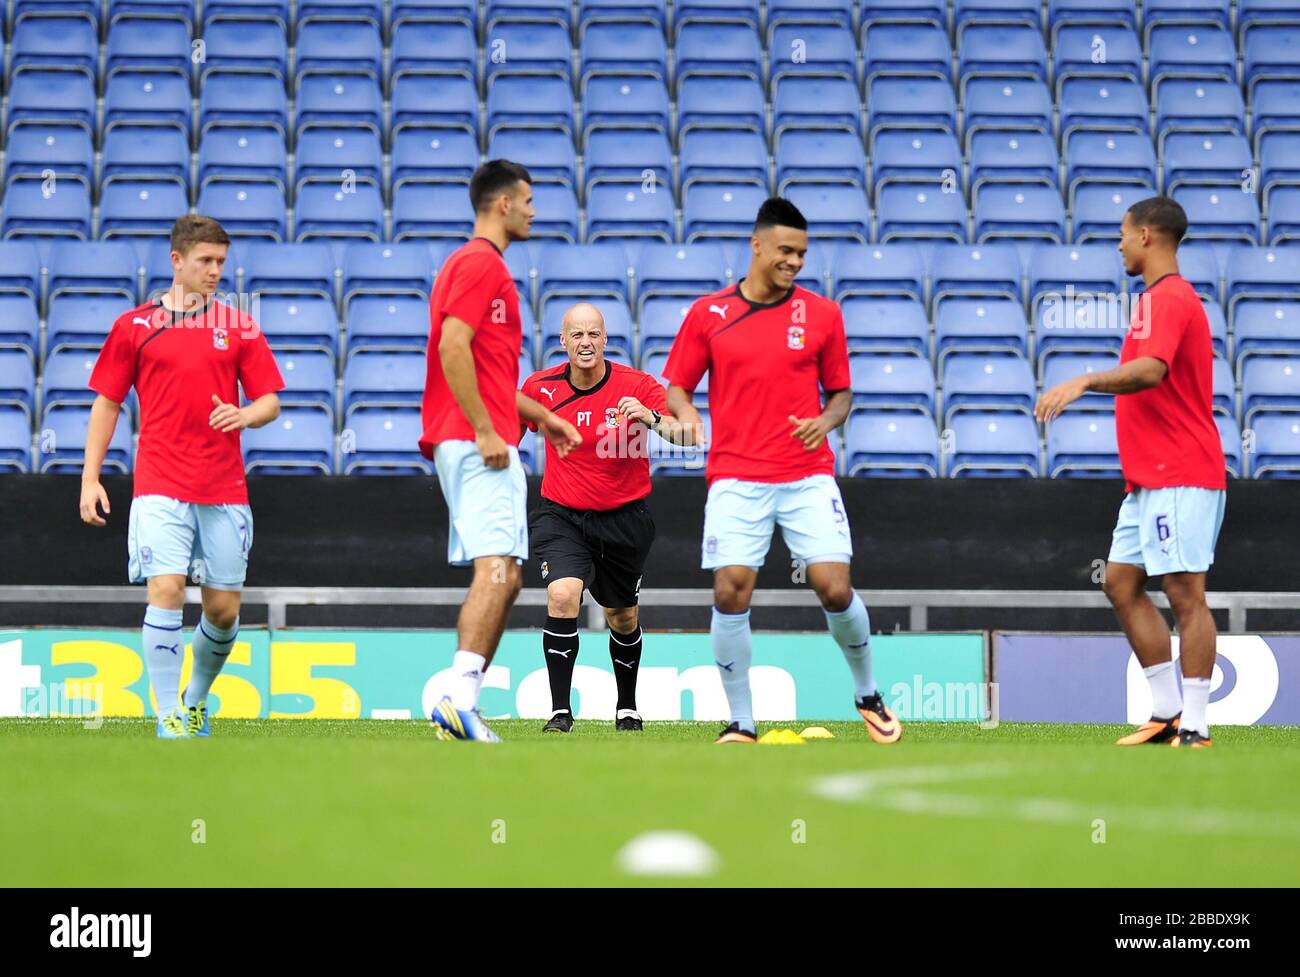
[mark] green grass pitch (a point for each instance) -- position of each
(284, 802)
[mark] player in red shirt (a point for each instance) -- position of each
(593, 529)
(471, 413)
(771, 348)
(187, 355)
(1174, 470)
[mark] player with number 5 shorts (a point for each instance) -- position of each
(771, 348)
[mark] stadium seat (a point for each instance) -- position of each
(340, 156)
(159, 46)
(1120, 13)
(621, 49)
(56, 96)
(990, 269)
(1099, 210)
(274, 10)
(678, 270)
(1269, 383)
(1283, 215)
(993, 444)
(1231, 441)
(892, 382)
(1114, 104)
(521, 101)
(891, 444)
(301, 322)
(1261, 273)
(933, 211)
(1271, 51)
(720, 210)
(326, 210)
(1184, 51)
(387, 269)
(833, 212)
(15, 440)
(1006, 103)
(812, 48)
(1220, 214)
(1000, 51)
(1277, 445)
(308, 378)
(1090, 323)
(82, 318)
(393, 322)
(1093, 158)
(29, 212)
(1204, 105)
(148, 208)
(443, 101)
(245, 210)
(1276, 107)
(999, 156)
(19, 321)
(1198, 262)
(712, 48)
(900, 155)
(36, 151)
(1205, 159)
(886, 325)
(660, 318)
(810, 102)
(987, 381)
(335, 101)
(589, 269)
(1021, 12)
(1082, 445)
(740, 155)
(18, 380)
(71, 43)
(1224, 387)
(434, 156)
(382, 378)
(919, 50)
(1074, 269)
(1062, 365)
(1218, 327)
(1093, 49)
(737, 102)
(299, 442)
(879, 270)
(914, 103)
(232, 98)
(557, 211)
(61, 438)
(293, 269)
(146, 153)
(1023, 212)
(383, 441)
(433, 210)
(625, 102)
(433, 47)
(1212, 13)
(1279, 162)
(668, 459)
(329, 46)
(1265, 327)
(986, 324)
(94, 266)
(246, 47)
(626, 156)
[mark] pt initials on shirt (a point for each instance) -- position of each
(584, 418)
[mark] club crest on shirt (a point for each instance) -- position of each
(611, 417)
(794, 337)
(220, 340)
(546, 569)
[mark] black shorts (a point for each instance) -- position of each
(605, 550)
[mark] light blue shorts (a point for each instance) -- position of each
(1168, 530)
(488, 506)
(739, 518)
(207, 543)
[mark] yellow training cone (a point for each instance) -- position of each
(817, 733)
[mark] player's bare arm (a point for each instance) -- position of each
(1136, 375)
(559, 432)
(812, 431)
(458, 368)
(227, 417)
(666, 426)
(680, 406)
(99, 432)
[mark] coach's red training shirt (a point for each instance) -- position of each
(474, 286)
(1167, 435)
(610, 468)
(765, 363)
(176, 363)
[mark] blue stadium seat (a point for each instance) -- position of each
(387, 322)
(231, 98)
(886, 325)
(1269, 383)
(1082, 445)
(532, 453)
(1103, 103)
(984, 324)
(273, 10)
(1202, 105)
(720, 210)
(20, 325)
(1262, 12)
(65, 378)
(1279, 162)
(740, 155)
(82, 318)
(920, 50)
(920, 210)
(1205, 159)
(993, 444)
(246, 210)
(735, 11)
(542, 102)
(433, 47)
(886, 381)
(717, 103)
(987, 381)
(1108, 157)
(337, 100)
(810, 102)
(915, 156)
(1023, 212)
(999, 156)
(666, 459)
(914, 103)
(62, 439)
(70, 43)
(308, 378)
(548, 153)
(1283, 215)
(520, 259)
(587, 269)
(622, 211)
(1218, 327)
(382, 378)
(1224, 386)
(629, 11)
(1220, 214)
(15, 440)
(968, 12)
(383, 441)
(30, 212)
(1181, 51)
(521, 48)
(989, 269)
(387, 269)
(83, 9)
(626, 156)
(1007, 103)
(34, 151)
(20, 270)
(1231, 440)
(368, 10)
(682, 270)
(149, 44)
(819, 49)
(299, 442)
(1118, 13)
(1086, 324)
(1061, 365)
(94, 266)
(1199, 264)
(1277, 446)
(1261, 273)
(1076, 268)
(1212, 13)
(557, 212)
(18, 381)
(147, 208)
(1271, 51)
(443, 101)
(146, 153)
(1099, 209)
(245, 46)
(716, 49)
(879, 270)
(1000, 51)
(339, 47)
(1265, 328)
(618, 324)
(891, 444)
(333, 156)
(660, 318)
(619, 102)
(329, 211)
(1276, 107)
(289, 269)
(433, 210)
(812, 275)
(57, 96)
(435, 155)
(834, 212)
(301, 322)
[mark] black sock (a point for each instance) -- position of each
(560, 649)
(625, 650)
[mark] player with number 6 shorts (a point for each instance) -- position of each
(771, 348)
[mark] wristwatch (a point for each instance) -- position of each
(657, 416)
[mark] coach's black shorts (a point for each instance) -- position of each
(605, 550)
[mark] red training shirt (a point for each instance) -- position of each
(611, 467)
(765, 363)
(1166, 433)
(474, 286)
(176, 363)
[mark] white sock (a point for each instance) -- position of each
(1166, 703)
(469, 667)
(851, 629)
(1196, 699)
(164, 651)
(733, 651)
